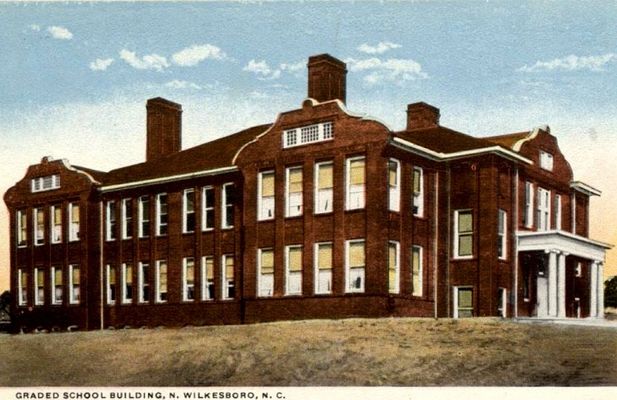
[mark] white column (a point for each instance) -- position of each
(552, 283)
(600, 290)
(593, 290)
(561, 285)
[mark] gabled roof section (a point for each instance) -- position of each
(508, 140)
(443, 140)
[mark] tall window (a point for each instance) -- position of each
(416, 271)
(355, 263)
(73, 222)
(207, 214)
(418, 192)
(229, 291)
(265, 199)
(127, 283)
(22, 290)
(293, 269)
(324, 187)
(463, 234)
(39, 226)
(544, 209)
(323, 268)
(558, 212)
(188, 211)
(56, 223)
(39, 285)
(394, 184)
(127, 218)
(265, 285)
(74, 284)
(293, 195)
(355, 183)
(22, 228)
(207, 278)
(502, 236)
(144, 216)
(143, 282)
(161, 281)
(111, 284)
(161, 214)
(393, 266)
(56, 285)
(110, 220)
(188, 279)
(528, 215)
(227, 206)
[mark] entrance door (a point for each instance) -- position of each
(542, 297)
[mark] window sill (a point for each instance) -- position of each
(207, 230)
(325, 213)
(292, 217)
(466, 258)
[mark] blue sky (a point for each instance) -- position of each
(74, 78)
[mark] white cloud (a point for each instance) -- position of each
(152, 61)
(380, 48)
(265, 72)
(572, 63)
(59, 32)
(101, 64)
(193, 55)
(392, 69)
(179, 84)
(295, 67)
(35, 27)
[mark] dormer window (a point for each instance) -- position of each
(44, 183)
(546, 160)
(308, 134)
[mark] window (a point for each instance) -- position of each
(111, 284)
(39, 285)
(127, 218)
(502, 234)
(207, 215)
(228, 277)
(393, 266)
(557, 212)
(227, 202)
(207, 278)
(56, 285)
(323, 268)
(43, 183)
(188, 279)
(56, 223)
(544, 209)
(578, 271)
(265, 284)
(161, 281)
(546, 160)
(265, 201)
(463, 234)
(528, 215)
(161, 214)
(394, 184)
(308, 134)
(22, 228)
(354, 260)
(143, 282)
(293, 197)
(416, 271)
(73, 222)
(143, 216)
(74, 284)
(293, 270)
(324, 186)
(110, 221)
(502, 302)
(188, 211)
(39, 226)
(127, 283)
(418, 192)
(463, 302)
(22, 289)
(355, 180)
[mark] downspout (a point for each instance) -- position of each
(102, 294)
(436, 243)
(515, 242)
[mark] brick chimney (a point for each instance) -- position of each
(421, 115)
(164, 128)
(326, 78)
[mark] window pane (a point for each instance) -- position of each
(295, 259)
(356, 173)
(464, 298)
(267, 184)
(295, 180)
(392, 173)
(229, 267)
(464, 245)
(325, 176)
(356, 254)
(267, 262)
(324, 256)
(465, 223)
(417, 180)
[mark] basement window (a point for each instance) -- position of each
(308, 134)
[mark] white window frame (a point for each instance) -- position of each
(158, 293)
(52, 224)
(225, 282)
(503, 311)
(455, 313)
(39, 295)
(318, 271)
(348, 288)
(260, 276)
(74, 227)
(558, 214)
(39, 184)
(544, 209)
(159, 215)
(546, 160)
(225, 206)
(143, 282)
(394, 191)
(502, 233)
(186, 212)
(295, 137)
(143, 216)
(417, 198)
(457, 254)
(38, 230)
(22, 291)
(72, 285)
(529, 208)
(355, 190)
(417, 291)
(397, 267)
(22, 228)
(325, 195)
(127, 218)
(108, 284)
(289, 275)
(125, 298)
(205, 293)
(207, 209)
(293, 207)
(265, 205)
(110, 220)
(186, 287)
(52, 280)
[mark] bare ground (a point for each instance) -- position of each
(402, 351)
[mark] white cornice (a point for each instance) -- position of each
(585, 188)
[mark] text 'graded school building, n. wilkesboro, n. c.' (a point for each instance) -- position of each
(320, 214)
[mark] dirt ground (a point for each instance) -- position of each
(402, 351)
